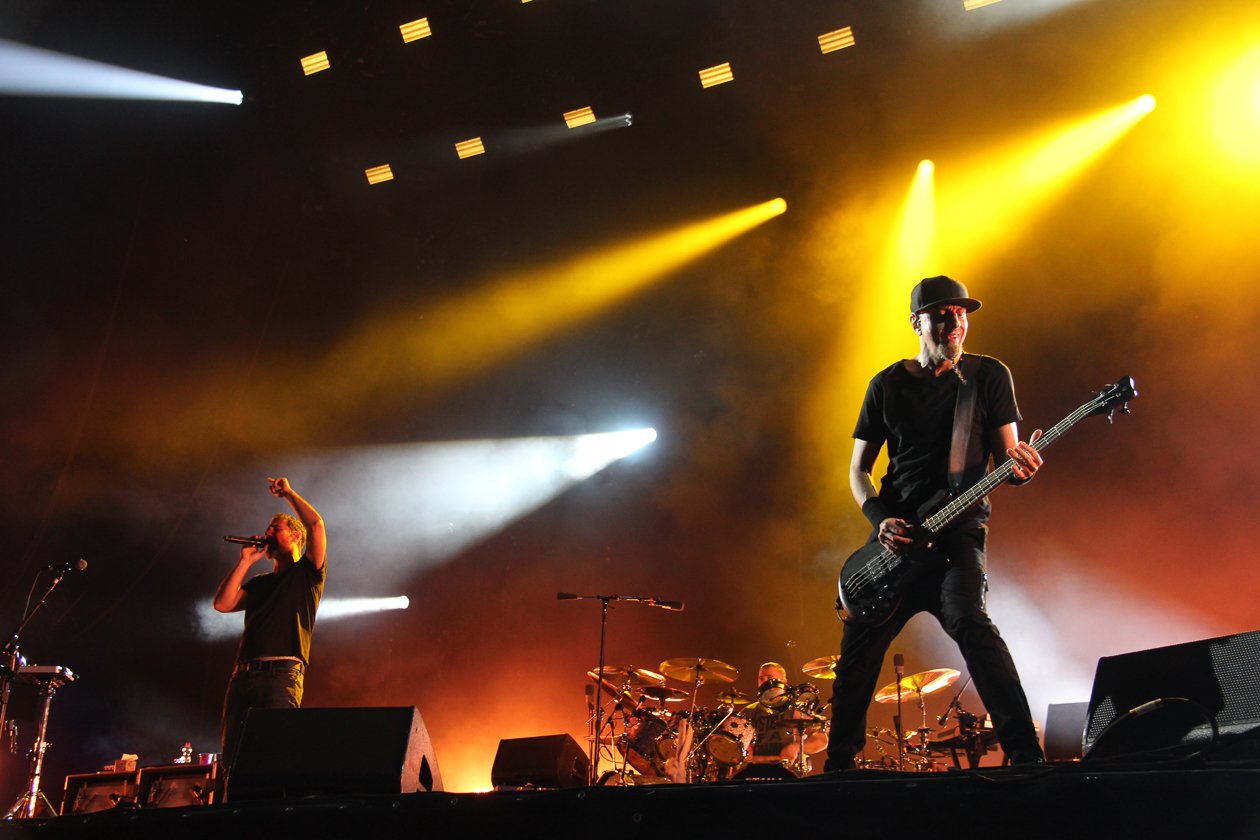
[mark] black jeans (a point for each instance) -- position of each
(954, 593)
(277, 684)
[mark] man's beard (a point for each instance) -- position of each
(948, 351)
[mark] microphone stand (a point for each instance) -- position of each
(604, 601)
(899, 668)
(10, 658)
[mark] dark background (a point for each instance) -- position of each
(181, 282)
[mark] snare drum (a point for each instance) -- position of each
(804, 697)
(732, 742)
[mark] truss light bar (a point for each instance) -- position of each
(582, 116)
(415, 30)
(315, 63)
(470, 148)
(377, 174)
(718, 75)
(972, 5)
(838, 40)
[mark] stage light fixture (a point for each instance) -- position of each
(212, 624)
(717, 75)
(315, 63)
(415, 30)
(378, 174)
(470, 148)
(582, 116)
(972, 5)
(837, 40)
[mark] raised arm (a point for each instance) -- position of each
(316, 538)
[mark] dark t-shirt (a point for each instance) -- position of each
(280, 611)
(914, 416)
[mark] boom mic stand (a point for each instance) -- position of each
(604, 601)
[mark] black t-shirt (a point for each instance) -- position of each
(914, 416)
(280, 611)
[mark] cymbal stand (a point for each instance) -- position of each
(899, 668)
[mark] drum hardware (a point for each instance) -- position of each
(925, 682)
(597, 725)
(698, 671)
(48, 678)
(662, 694)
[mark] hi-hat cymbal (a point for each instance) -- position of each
(925, 682)
(822, 668)
(692, 669)
(735, 697)
(663, 693)
(627, 675)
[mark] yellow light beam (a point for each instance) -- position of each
(466, 333)
(987, 202)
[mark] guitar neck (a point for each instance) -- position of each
(937, 521)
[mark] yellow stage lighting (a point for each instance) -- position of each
(1236, 109)
(415, 30)
(470, 148)
(838, 40)
(918, 225)
(971, 5)
(377, 174)
(582, 116)
(315, 63)
(718, 75)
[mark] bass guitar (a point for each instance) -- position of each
(874, 578)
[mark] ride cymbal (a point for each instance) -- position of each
(627, 675)
(697, 670)
(924, 682)
(822, 668)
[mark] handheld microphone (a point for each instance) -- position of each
(899, 665)
(256, 542)
(67, 566)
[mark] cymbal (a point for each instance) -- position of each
(925, 682)
(822, 668)
(692, 669)
(627, 675)
(662, 692)
(735, 697)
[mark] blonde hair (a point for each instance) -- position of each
(295, 525)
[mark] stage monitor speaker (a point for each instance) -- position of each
(544, 761)
(1171, 697)
(87, 793)
(176, 785)
(303, 752)
(1065, 730)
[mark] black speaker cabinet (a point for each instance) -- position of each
(176, 785)
(86, 793)
(1170, 697)
(303, 752)
(544, 761)
(1065, 730)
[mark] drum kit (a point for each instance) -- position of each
(657, 733)
(663, 734)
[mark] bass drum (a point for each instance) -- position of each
(648, 742)
(732, 742)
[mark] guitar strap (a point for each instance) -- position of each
(964, 415)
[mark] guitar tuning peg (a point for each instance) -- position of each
(1124, 409)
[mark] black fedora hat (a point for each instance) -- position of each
(935, 291)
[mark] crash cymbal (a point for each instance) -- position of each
(735, 697)
(627, 675)
(822, 668)
(925, 682)
(691, 669)
(663, 693)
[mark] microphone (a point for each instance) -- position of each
(899, 665)
(560, 596)
(256, 542)
(673, 606)
(67, 566)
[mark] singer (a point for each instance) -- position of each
(911, 407)
(280, 608)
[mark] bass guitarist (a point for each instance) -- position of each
(911, 408)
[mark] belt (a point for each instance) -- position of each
(268, 664)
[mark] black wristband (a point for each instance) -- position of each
(875, 511)
(1018, 482)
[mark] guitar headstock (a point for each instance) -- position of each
(1119, 393)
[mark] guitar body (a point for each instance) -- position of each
(874, 580)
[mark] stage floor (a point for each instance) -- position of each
(1076, 801)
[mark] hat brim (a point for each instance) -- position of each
(970, 304)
